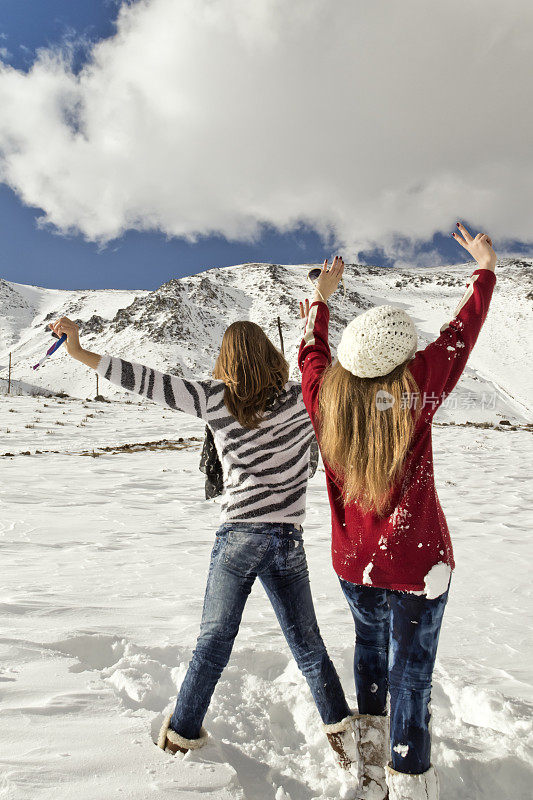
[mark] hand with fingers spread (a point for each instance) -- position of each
(326, 284)
(329, 279)
(480, 247)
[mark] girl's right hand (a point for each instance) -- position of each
(304, 309)
(329, 279)
(479, 248)
(65, 325)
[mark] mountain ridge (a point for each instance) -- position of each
(178, 326)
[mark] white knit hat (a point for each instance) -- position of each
(376, 342)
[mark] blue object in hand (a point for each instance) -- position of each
(52, 349)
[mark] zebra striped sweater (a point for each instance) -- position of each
(266, 469)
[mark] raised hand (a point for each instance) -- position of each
(304, 309)
(329, 279)
(65, 325)
(480, 247)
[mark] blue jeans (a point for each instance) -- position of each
(274, 552)
(396, 638)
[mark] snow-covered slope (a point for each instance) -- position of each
(179, 326)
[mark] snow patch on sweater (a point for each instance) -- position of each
(436, 581)
(366, 574)
(398, 516)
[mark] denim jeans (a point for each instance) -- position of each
(274, 552)
(396, 638)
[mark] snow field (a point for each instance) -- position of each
(104, 563)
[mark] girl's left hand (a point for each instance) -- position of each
(479, 247)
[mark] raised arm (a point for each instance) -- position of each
(439, 366)
(191, 397)
(314, 355)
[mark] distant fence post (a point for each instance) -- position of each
(281, 336)
(9, 377)
(97, 392)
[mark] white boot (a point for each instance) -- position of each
(172, 742)
(403, 786)
(373, 742)
(343, 738)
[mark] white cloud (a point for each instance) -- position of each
(375, 119)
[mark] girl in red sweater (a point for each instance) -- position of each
(372, 411)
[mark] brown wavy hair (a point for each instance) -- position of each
(366, 444)
(252, 369)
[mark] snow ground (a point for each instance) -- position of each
(100, 602)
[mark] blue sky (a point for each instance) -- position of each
(35, 255)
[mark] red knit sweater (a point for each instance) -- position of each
(399, 551)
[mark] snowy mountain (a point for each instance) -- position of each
(179, 326)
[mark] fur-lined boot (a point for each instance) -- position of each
(373, 743)
(172, 742)
(403, 786)
(342, 737)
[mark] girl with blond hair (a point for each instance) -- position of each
(372, 410)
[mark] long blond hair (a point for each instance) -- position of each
(364, 436)
(252, 368)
